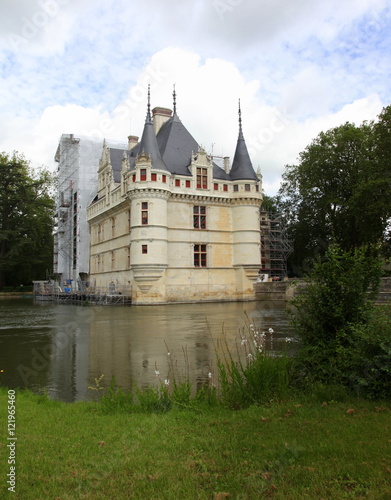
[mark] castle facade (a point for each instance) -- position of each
(169, 224)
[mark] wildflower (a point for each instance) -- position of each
(167, 382)
(168, 354)
(210, 375)
(250, 356)
(244, 341)
(157, 373)
(271, 331)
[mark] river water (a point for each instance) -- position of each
(63, 349)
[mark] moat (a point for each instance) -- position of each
(61, 348)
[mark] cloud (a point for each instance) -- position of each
(298, 67)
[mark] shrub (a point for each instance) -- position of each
(344, 341)
(366, 362)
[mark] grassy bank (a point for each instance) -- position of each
(299, 448)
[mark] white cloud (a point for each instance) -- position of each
(298, 67)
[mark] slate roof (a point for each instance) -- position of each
(172, 148)
(149, 145)
(116, 162)
(176, 145)
(242, 168)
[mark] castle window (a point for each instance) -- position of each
(144, 248)
(199, 255)
(177, 182)
(236, 187)
(216, 186)
(134, 178)
(225, 187)
(153, 177)
(101, 232)
(144, 213)
(202, 178)
(113, 227)
(143, 174)
(188, 184)
(247, 187)
(164, 178)
(199, 217)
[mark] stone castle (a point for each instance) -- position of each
(170, 224)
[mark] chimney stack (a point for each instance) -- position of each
(132, 141)
(226, 164)
(160, 116)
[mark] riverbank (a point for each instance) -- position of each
(305, 447)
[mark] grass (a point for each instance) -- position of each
(299, 448)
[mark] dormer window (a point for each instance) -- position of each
(143, 174)
(202, 178)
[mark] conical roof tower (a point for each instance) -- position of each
(242, 168)
(148, 143)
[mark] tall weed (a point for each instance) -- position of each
(252, 376)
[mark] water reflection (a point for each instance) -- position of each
(64, 348)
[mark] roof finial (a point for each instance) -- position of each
(149, 104)
(174, 97)
(240, 123)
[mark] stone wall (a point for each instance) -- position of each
(283, 291)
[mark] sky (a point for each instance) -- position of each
(299, 67)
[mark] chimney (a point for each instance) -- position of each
(160, 116)
(132, 141)
(226, 164)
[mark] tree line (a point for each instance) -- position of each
(26, 221)
(339, 192)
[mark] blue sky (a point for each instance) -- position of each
(299, 67)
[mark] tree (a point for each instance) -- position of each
(26, 221)
(339, 192)
(345, 339)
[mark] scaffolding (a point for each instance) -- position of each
(275, 245)
(65, 238)
(82, 293)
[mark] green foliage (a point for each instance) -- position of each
(254, 377)
(116, 400)
(154, 400)
(366, 360)
(339, 192)
(259, 381)
(344, 339)
(26, 221)
(296, 449)
(338, 292)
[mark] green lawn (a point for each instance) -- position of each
(297, 449)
